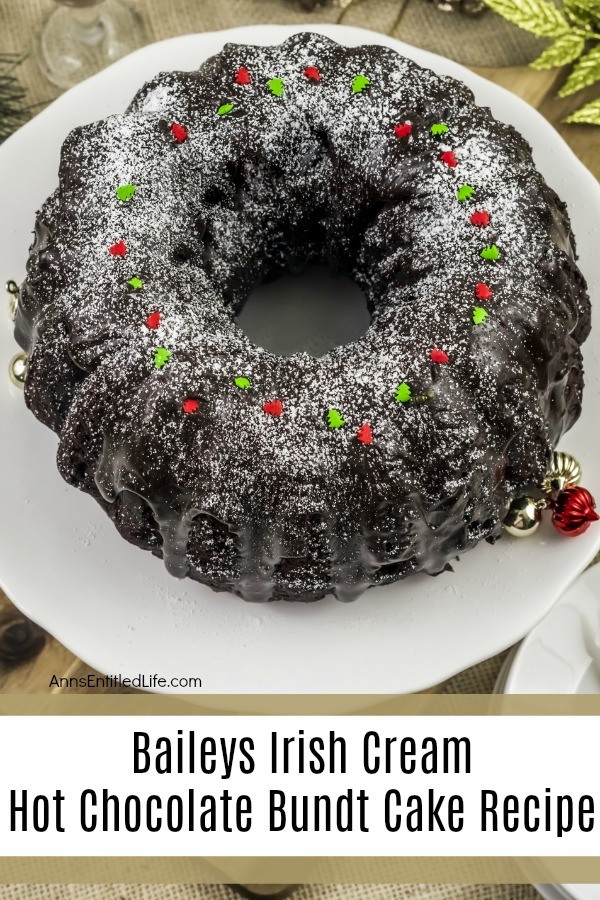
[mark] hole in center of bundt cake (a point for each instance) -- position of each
(312, 313)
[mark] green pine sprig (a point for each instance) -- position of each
(574, 29)
(13, 112)
(586, 115)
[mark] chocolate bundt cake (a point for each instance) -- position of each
(290, 478)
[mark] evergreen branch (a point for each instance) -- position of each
(12, 111)
(585, 73)
(540, 17)
(583, 13)
(586, 115)
(563, 50)
(573, 28)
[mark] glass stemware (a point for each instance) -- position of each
(81, 37)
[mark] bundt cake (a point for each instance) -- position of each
(291, 478)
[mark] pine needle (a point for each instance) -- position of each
(13, 112)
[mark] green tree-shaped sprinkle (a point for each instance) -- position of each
(225, 109)
(465, 192)
(479, 315)
(492, 252)
(439, 128)
(276, 86)
(125, 192)
(161, 357)
(403, 393)
(136, 282)
(359, 83)
(334, 419)
(243, 383)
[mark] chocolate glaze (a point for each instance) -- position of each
(285, 507)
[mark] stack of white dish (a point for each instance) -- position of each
(561, 655)
(569, 891)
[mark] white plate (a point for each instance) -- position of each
(561, 655)
(503, 673)
(582, 891)
(552, 891)
(63, 563)
(569, 891)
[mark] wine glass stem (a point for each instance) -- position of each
(88, 25)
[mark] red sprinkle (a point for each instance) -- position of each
(438, 356)
(313, 73)
(449, 158)
(365, 434)
(403, 130)
(480, 218)
(153, 321)
(243, 76)
(482, 291)
(179, 132)
(118, 249)
(190, 406)
(273, 408)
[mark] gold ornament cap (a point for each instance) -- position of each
(12, 289)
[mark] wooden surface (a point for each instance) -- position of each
(24, 667)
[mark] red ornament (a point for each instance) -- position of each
(153, 321)
(179, 132)
(243, 76)
(118, 249)
(273, 408)
(365, 434)
(573, 510)
(190, 406)
(480, 218)
(438, 356)
(449, 158)
(403, 130)
(482, 291)
(313, 73)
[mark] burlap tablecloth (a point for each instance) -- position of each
(484, 41)
(221, 892)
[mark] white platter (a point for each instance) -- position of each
(561, 655)
(552, 892)
(65, 566)
(582, 891)
(569, 891)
